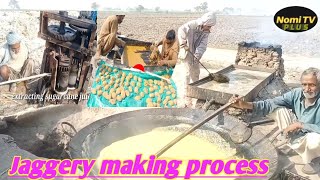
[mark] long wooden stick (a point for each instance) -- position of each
(208, 117)
(25, 78)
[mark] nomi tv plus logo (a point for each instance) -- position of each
(295, 19)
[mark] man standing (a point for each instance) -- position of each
(193, 40)
(302, 122)
(169, 50)
(14, 61)
(107, 38)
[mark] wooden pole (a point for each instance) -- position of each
(25, 79)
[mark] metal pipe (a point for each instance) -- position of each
(25, 79)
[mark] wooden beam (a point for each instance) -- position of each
(71, 20)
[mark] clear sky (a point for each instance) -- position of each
(260, 6)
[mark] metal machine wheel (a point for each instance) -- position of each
(80, 29)
(69, 35)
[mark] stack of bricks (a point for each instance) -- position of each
(261, 56)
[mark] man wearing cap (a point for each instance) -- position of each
(107, 38)
(193, 40)
(14, 61)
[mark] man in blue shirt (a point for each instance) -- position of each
(296, 112)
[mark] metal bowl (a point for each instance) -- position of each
(89, 141)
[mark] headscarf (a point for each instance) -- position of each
(208, 19)
(13, 38)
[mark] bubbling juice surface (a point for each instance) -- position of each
(189, 148)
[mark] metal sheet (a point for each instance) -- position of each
(88, 142)
(244, 81)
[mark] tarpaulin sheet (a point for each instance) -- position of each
(98, 99)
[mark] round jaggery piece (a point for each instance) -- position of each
(149, 100)
(111, 90)
(107, 76)
(113, 95)
(171, 103)
(105, 95)
(106, 87)
(155, 87)
(173, 96)
(161, 91)
(156, 94)
(93, 91)
(115, 70)
(135, 78)
(132, 83)
(98, 87)
(97, 80)
(113, 78)
(127, 93)
(159, 100)
(137, 98)
(158, 105)
(168, 92)
(103, 78)
(151, 95)
(142, 94)
(112, 101)
(104, 83)
(150, 81)
(166, 87)
(126, 84)
(130, 89)
(109, 70)
(99, 93)
(149, 104)
(116, 85)
(117, 80)
(123, 94)
(140, 80)
(151, 89)
(118, 91)
(136, 90)
(145, 90)
(138, 84)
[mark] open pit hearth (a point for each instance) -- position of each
(259, 55)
